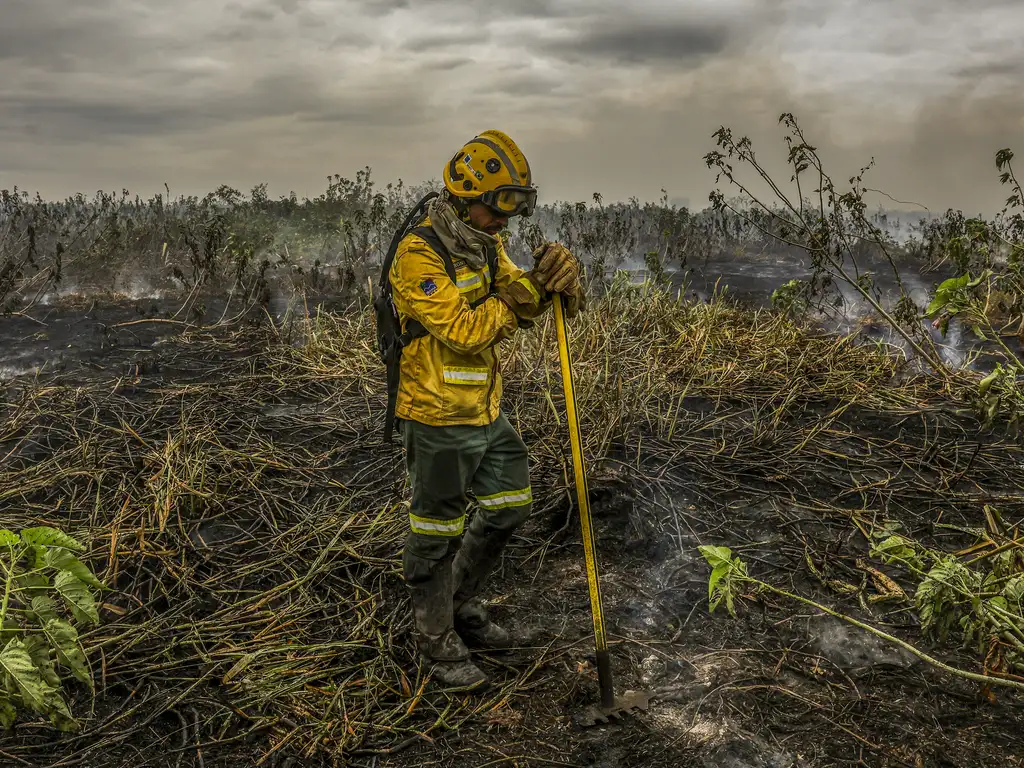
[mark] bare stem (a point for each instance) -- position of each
(961, 673)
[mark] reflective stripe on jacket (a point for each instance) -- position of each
(451, 376)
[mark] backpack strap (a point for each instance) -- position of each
(416, 213)
(430, 236)
(390, 338)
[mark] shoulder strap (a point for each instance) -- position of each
(430, 236)
(492, 262)
(413, 328)
(391, 345)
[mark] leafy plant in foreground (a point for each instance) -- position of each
(729, 576)
(977, 599)
(43, 581)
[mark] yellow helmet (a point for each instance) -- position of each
(490, 169)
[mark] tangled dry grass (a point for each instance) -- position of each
(241, 507)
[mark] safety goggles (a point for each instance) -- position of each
(511, 201)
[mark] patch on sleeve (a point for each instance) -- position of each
(429, 287)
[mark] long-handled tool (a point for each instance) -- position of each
(611, 705)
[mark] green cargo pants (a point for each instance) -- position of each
(443, 464)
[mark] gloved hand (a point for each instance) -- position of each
(523, 299)
(574, 300)
(555, 267)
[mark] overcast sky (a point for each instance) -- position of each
(602, 95)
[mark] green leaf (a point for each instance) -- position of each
(45, 536)
(63, 560)
(77, 596)
(8, 714)
(1014, 588)
(60, 715)
(40, 653)
(44, 609)
(32, 583)
(945, 293)
(16, 661)
(9, 538)
(64, 639)
(987, 382)
(715, 555)
(11, 627)
(937, 304)
(896, 548)
(715, 601)
(38, 552)
(719, 571)
(979, 279)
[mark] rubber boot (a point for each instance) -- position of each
(440, 646)
(473, 565)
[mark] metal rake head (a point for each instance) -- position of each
(630, 701)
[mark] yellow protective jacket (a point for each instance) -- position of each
(452, 376)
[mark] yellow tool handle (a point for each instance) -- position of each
(583, 498)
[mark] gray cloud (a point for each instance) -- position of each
(258, 14)
(603, 97)
(437, 40)
(59, 119)
(646, 41)
(532, 9)
(50, 35)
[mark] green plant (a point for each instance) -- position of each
(970, 300)
(980, 604)
(603, 235)
(729, 576)
(791, 298)
(43, 581)
(727, 572)
(831, 226)
(990, 305)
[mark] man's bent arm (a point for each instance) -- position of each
(424, 291)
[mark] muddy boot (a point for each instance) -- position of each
(441, 649)
(477, 630)
(474, 562)
(449, 663)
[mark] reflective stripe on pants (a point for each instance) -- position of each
(433, 527)
(506, 499)
(444, 464)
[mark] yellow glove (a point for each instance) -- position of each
(556, 268)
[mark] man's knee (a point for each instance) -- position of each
(505, 511)
(423, 554)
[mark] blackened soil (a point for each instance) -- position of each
(776, 686)
(80, 335)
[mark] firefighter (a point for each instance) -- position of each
(457, 294)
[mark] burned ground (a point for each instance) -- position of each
(238, 501)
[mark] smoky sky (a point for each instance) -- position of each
(603, 96)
